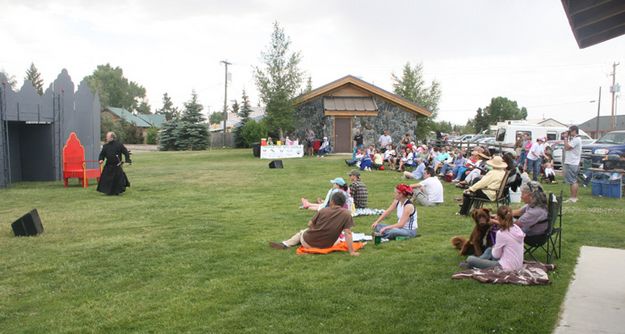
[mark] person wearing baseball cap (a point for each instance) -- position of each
(358, 190)
(338, 185)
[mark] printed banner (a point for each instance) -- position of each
(281, 151)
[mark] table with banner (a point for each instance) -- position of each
(281, 151)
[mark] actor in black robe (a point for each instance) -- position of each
(113, 180)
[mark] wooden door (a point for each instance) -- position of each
(343, 134)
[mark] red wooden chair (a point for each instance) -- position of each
(74, 163)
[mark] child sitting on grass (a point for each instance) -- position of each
(550, 174)
(507, 253)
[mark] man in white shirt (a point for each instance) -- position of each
(385, 140)
(429, 192)
(572, 158)
(534, 158)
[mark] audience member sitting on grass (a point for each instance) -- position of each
(365, 162)
(441, 158)
(416, 174)
(324, 148)
(532, 217)
(338, 185)
(507, 252)
(406, 225)
(487, 187)
(454, 167)
(358, 190)
(475, 171)
(390, 155)
(470, 163)
(406, 160)
(324, 228)
(359, 153)
(429, 192)
(549, 172)
(378, 160)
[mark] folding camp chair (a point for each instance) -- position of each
(502, 196)
(551, 240)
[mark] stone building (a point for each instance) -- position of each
(349, 105)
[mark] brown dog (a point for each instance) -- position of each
(478, 241)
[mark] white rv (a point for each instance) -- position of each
(507, 134)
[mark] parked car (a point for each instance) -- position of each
(558, 145)
(612, 143)
(465, 138)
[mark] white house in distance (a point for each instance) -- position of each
(541, 122)
(233, 120)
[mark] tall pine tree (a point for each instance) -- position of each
(245, 110)
(192, 132)
(278, 81)
(34, 76)
(168, 110)
(411, 86)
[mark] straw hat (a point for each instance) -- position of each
(497, 162)
(483, 156)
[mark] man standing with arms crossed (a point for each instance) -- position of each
(573, 147)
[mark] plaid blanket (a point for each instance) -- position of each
(533, 273)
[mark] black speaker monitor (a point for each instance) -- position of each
(29, 224)
(276, 164)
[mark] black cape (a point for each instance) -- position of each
(113, 180)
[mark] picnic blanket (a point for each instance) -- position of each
(339, 247)
(533, 273)
(367, 212)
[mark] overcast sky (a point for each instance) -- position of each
(522, 49)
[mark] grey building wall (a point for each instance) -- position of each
(390, 117)
(34, 128)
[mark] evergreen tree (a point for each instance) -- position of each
(168, 108)
(308, 88)
(34, 76)
(278, 81)
(244, 113)
(411, 86)
(167, 135)
(192, 132)
(144, 108)
(235, 107)
(500, 109)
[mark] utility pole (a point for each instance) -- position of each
(613, 91)
(226, 63)
(598, 112)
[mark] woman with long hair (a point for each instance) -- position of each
(406, 225)
(507, 253)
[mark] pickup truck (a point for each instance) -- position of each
(612, 143)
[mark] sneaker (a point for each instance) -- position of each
(464, 265)
(571, 200)
(277, 245)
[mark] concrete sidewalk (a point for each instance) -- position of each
(595, 301)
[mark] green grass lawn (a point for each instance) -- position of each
(185, 250)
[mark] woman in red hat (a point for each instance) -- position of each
(406, 225)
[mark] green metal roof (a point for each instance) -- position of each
(139, 120)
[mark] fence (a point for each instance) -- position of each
(217, 140)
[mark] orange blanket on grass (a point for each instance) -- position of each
(340, 247)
